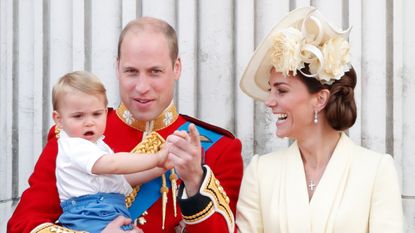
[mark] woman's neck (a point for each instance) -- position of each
(317, 148)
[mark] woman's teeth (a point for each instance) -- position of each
(281, 116)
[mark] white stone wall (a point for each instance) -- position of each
(40, 40)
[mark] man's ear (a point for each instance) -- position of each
(177, 66)
(57, 118)
(322, 97)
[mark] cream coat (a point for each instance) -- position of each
(358, 193)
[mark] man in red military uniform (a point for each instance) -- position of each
(209, 172)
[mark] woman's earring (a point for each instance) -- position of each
(315, 117)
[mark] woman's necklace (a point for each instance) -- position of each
(311, 185)
(313, 177)
(314, 173)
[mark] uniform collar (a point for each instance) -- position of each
(166, 118)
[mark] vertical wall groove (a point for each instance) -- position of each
(87, 34)
(235, 56)
(345, 25)
(233, 72)
(361, 142)
(120, 19)
(255, 131)
(363, 82)
(389, 78)
(345, 14)
(15, 105)
(176, 16)
(177, 27)
(46, 69)
(139, 8)
(292, 4)
(197, 63)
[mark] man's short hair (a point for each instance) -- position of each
(153, 25)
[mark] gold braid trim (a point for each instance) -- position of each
(206, 212)
(129, 199)
(149, 145)
(52, 228)
(212, 189)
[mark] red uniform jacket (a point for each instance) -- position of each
(40, 202)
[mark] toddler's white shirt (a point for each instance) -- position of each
(76, 157)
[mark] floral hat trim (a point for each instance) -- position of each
(327, 52)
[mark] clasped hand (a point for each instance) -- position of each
(184, 154)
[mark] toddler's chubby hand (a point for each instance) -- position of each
(164, 160)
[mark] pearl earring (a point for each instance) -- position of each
(315, 117)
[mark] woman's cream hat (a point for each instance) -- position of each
(302, 37)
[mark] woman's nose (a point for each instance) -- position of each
(270, 101)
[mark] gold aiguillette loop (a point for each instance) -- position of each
(173, 181)
(151, 144)
(164, 190)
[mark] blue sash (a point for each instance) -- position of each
(150, 192)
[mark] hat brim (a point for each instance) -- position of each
(254, 81)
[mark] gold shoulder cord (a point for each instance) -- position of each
(52, 228)
(150, 145)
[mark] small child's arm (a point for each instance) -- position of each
(127, 163)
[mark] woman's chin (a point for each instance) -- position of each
(280, 134)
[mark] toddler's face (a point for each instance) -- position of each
(82, 115)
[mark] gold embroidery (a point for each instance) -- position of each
(57, 132)
(219, 201)
(166, 118)
(206, 212)
(49, 228)
(204, 139)
(150, 145)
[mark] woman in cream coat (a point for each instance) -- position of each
(322, 183)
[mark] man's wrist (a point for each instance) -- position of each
(210, 198)
(192, 204)
(193, 185)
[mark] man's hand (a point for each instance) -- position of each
(185, 152)
(115, 226)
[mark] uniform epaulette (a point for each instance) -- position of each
(208, 126)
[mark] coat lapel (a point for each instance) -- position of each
(294, 197)
(330, 189)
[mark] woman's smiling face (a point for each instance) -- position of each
(292, 103)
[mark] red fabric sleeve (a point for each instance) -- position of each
(40, 202)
